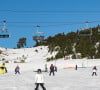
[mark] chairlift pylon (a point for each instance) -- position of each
(4, 31)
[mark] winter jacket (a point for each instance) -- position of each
(52, 68)
(17, 69)
(94, 69)
(39, 78)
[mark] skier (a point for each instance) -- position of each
(17, 70)
(3, 69)
(3, 65)
(39, 80)
(52, 70)
(76, 67)
(94, 71)
(46, 69)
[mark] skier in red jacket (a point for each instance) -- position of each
(94, 71)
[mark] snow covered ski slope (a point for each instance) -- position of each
(64, 79)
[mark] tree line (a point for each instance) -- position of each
(85, 42)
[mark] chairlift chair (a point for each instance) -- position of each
(38, 36)
(4, 32)
(85, 32)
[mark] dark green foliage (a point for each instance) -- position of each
(85, 44)
(73, 57)
(97, 55)
(50, 59)
(21, 43)
(59, 55)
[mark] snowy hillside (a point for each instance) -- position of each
(64, 79)
(36, 58)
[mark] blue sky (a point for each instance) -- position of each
(53, 16)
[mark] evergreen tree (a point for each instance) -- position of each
(21, 43)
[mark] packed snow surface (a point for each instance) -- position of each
(64, 79)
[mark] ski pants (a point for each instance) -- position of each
(52, 72)
(17, 72)
(94, 73)
(41, 84)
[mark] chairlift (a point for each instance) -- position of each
(86, 31)
(38, 36)
(4, 32)
(4, 35)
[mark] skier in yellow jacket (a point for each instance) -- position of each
(3, 69)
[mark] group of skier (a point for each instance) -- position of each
(39, 80)
(94, 70)
(4, 70)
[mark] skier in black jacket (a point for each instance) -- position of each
(52, 70)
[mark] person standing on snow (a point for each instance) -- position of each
(17, 70)
(46, 69)
(3, 69)
(76, 67)
(94, 71)
(39, 80)
(52, 70)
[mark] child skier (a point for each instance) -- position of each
(39, 80)
(17, 70)
(94, 71)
